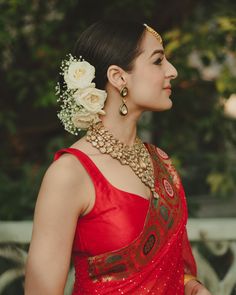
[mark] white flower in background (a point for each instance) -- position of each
(79, 74)
(208, 73)
(91, 98)
(230, 106)
(82, 120)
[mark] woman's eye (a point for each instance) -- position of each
(158, 61)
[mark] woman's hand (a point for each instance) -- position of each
(195, 288)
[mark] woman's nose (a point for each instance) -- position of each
(171, 71)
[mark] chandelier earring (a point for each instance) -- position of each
(123, 107)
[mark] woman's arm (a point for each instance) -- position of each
(60, 201)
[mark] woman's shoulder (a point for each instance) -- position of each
(62, 181)
(83, 145)
(66, 166)
(63, 172)
(164, 157)
(160, 152)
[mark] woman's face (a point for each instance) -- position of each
(149, 81)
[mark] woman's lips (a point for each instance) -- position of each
(168, 89)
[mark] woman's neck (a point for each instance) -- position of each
(123, 128)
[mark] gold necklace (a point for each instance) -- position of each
(137, 156)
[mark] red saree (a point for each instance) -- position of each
(127, 245)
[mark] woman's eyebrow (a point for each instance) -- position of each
(160, 51)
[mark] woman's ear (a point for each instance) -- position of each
(116, 76)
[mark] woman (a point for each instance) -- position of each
(112, 202)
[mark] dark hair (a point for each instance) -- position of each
(109, 42)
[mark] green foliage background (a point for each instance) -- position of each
(36, 35)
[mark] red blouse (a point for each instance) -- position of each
(109, 225)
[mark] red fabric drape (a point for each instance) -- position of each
(155, 259)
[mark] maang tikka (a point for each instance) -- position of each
(123, 106)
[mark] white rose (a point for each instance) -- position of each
(92, 99)
(79, 74)
(83, 119)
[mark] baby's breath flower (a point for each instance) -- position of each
(81, 102)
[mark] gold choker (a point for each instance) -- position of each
(136, 156)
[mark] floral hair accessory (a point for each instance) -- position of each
(81, 101)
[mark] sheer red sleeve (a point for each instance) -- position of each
(189, 261)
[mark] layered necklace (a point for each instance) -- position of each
(136, 156)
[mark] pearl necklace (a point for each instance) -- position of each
(136, 156)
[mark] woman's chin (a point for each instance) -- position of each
(165, 106)
(170, 104)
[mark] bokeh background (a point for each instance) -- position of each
(199, 132)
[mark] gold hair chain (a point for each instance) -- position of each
(154, 33)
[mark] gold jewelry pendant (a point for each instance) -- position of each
(124, 91)
(123, 108)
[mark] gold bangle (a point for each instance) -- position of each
(188, 278)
